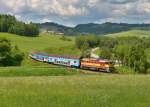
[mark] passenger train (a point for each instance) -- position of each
(74, 61)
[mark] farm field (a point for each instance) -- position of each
(73, 91)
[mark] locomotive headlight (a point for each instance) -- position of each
(106, 65)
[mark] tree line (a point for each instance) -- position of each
(130, 51)
(9, 55)
(10, 24)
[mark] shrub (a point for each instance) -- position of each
(9, 56)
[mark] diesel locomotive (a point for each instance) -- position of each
(74, 61)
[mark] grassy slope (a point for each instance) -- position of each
(42, 42)
(142, 33)
(76, 91)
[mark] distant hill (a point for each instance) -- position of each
(92, 28)
(49, 26)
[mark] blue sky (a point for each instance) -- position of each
(73, 12)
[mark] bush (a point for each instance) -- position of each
(9, 56)
(124, 70)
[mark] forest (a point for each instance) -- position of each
(10, 24)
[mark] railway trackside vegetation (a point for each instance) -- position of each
(36, 71)
(130, 51)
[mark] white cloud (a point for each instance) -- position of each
(77, 11)
(145, 7)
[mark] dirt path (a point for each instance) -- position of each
(93, 55)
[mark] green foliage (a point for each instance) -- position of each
(125, 70)
(84, 49)
(92, 41)
(9, 24)
(105, 53)
(132, 56)
(9, 56)
(107, 42)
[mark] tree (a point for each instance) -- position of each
(105, 53)
(132, 56)
(84, 49)
(9, 56)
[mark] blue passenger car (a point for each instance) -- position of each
(64, 60)
(39, 57)
(69, 61)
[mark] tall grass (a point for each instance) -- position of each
(75, 91)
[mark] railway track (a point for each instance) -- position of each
(82, 71)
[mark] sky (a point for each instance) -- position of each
(73, 12)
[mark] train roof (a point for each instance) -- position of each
(97, 60)
(60, 56)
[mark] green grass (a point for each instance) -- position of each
(76, 91)
(65, 50)
(42, 42)
(36, 71)
(138, 33)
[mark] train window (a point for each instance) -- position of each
(108, 63)
(75, 61)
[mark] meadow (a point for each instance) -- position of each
(42, 42)
(73, 91)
